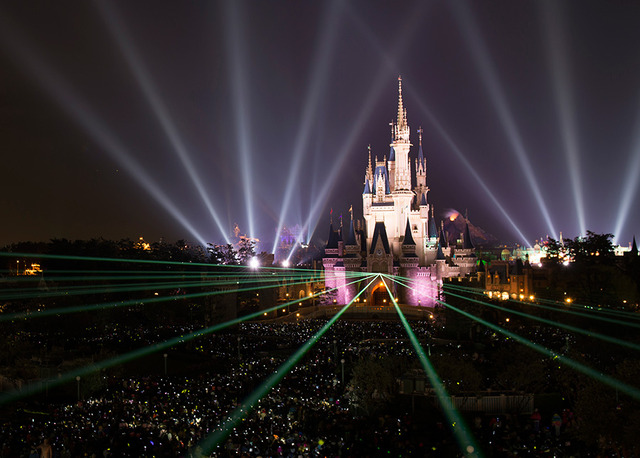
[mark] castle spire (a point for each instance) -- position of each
(401, 129)
(402, 120)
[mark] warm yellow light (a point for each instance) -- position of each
(532, 297)
(265, 313)
(297, 314)
(507, 320)
(568, 300)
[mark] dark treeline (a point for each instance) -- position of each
(586, 270)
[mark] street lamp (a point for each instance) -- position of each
(342, 362)
(165, 363)
(78, 385)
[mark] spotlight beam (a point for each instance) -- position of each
(237, 53)
(115, 26)
(558, 62)
(462, 157)
(375, 90)
(319, 73)
(631, 181)
(390, 62)
(482, 59)
(22, 51)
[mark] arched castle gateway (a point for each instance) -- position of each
(399, 235)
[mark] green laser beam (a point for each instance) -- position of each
(589, 312)
(113, 304)
(554, 309)
(610, 381)
(152, 261)
(458, 426)
(222, 432)
(126, 287)
(37, 386)
(556, 324)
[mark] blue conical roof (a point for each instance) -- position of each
(332, 242)
(408, 238)
(421, 160)
(467, 238)
(443, 240)
(367, 188)
(351, 240)
(423, 201)
(433, 230)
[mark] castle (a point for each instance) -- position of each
(400, 236)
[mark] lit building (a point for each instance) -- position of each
(399, 235)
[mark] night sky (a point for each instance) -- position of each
(128, 119)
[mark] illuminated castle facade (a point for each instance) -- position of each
(399, 235)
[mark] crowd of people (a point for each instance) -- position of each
(307, 414)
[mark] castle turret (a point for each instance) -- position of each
(392, 163)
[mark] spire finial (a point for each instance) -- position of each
(420, 134)
(401, 112)
(351, 211)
